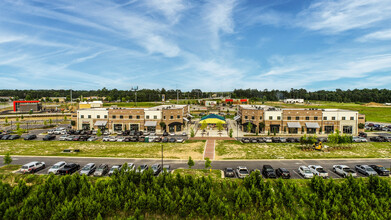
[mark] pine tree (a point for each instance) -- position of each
(190, 163)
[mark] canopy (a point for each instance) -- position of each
(312, 125)
(100, 123)
(294, 125)
(213, 119)
(150, 124)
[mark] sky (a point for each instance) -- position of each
(217, 45)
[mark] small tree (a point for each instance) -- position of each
(204, 125)
(7, 158)
(230, 132)
(99, 132)
(6, 120)
(45, 122)
(65, 118)
(50, 121)
(162, 125)
(17, 126)
(190, 163)
(31, 112)
(22, 117)
(361, 126)
(20, 131)
(17, 118)
(192, 132)
(249, 127)
(208, 163)
(219, 126)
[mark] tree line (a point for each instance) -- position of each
(139, 196)
(145, 95)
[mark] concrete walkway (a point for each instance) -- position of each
(209, 151)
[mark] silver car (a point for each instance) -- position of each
(54, 169)
(242, 172)
(88, 169)
(113, 168)
(366, 170)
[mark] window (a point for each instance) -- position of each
(333, 118)
(98, 116)
(81, 116)
(270, 117)
(164, 117)
(155, 117)
(138, 116)
(114, 116)
(315, 118)
(307, 118)
(130, 117)
(147, 117)
(297, 118)
(171, 117)
(121, 117)
(347, 129)
(260, 118)
(278, 117)
(253, 117)
(351, 118)
(246, 117)
(178, 116)
(105, 116)
(325, 118)
(289, 118)
(89, 116)
(360, 117)
(343, 118)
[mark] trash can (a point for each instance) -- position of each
(146, 139)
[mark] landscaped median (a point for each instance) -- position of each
(194, 149)
(226, 150)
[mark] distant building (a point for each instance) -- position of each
(210, 103)
(60, 99)
(26, 106)
(93, 104)
(293, 101)
(7, 98)
(387, 103)
(236, 101)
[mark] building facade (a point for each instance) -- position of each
(298, 121)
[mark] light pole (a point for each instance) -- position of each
(162, 158)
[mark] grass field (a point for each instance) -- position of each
(236, 150)
(375, 114)
(9, 168)
(107, 149)
(199, 172)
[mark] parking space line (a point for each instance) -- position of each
(294, 171)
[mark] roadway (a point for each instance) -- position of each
(291, 165)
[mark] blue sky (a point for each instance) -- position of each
(212, 45)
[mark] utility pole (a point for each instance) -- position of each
(134, 89)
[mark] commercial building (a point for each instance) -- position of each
(293, 101)
(26, 106)
(93, 104)
(298, 121)
(165, 117)
(236, 101)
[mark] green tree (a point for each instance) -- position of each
(98, 132)
(65, 118)
(249, 127)
(192, 132)
(208, 163)
(361, 126)
(17, 126)
(6, 120)
(204, 125)
(50, 121)
(230, 132)
(219, 126)
(162, 125)
(17, 118)
(30, 112)
(22, 117)
(190, 163)
(7, 158)
(45, 122)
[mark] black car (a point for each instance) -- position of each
(125, 133)
(283, 173)
(157, 139)
(77, 132)
(141, 139)
(276, 140)
(165, 140)
(84, 138)
(254, 140)
(229, 172)
(49, 137)
(14, 137)
(290, 140)
(132, 133)
(69, 169)
(375, 139)
(260, 140)
(134, 139)
(172, 140)
(383, 139)
(268, 171)
(380, 170)
(1, 136)
(362, 134)
(5, 137)
(30, 137)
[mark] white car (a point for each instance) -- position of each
(54, 169)
(32, 167)
(63, 138)
(363, 139)
(356, 139)
(318, 171)
(106, 138)
(180, 140)
(120, 139)
(305, 172)
(51, 132)
(184, 134)
(172, 134)
(92, 138)
(344, 171)
(112, 139)
(268, 140)
(242, 172)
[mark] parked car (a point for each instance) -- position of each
(88, 169)
(268, 171)
(356, 139)
(242, 172)
(290, 140)
(146, 133)
(268, 140)
(130, 166)
(180, 140)
(102, 170)
(114, 168)
(283, 173)
(121, 139)
(69, 168)
(165, 140)
(14, 137)
(63, 138)
(157, 139)
(152, 134)
(276, 140)
(362, 134)
(366, 170)
(142, 168)
(92, 138)
(76, 138)
(49, 137)
(30, 137)
(363, 139)
(184, 134)
(165, 133)
(344, 171)
(51, 132)
(318, 171)
(166, 168)
(245, 140)
(260, 140)
(54, 169)
(32, 167)
(229, 172)
(84, 138)
(172, 140)
(305, 172)
(254, 140)
(172, 134)
(5, 137)
(375, 139)
(70, 138)
(282, 140)
(134, 139)
(141, 139)
(381, 171)
(112, 139)
(156, 168)
(106, 138)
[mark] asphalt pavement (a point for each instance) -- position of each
(291, 165)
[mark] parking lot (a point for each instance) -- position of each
(290, 165)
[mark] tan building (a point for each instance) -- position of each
(93, 104)
(91, 119)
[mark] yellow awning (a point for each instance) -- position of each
(212, 121)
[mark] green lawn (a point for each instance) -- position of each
(199, 172)
(236, 150)
(132, 104)
(9, 168)
(375, 114)
(105, 149)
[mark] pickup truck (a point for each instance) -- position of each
(344, 171)
(318, 171)
(69, 169)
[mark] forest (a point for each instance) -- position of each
(146, 95)
(142, 196)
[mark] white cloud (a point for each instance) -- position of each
(378, 35)
(171, 9)
(10, 38)
(342, 15)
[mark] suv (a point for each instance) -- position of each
(283, 173)
(54, 169)
(32, 167)
(69, 168)
(156, 168)
(242, 171)
(268, 171)
(30, 137)
(113, 168)
(88, 169)
(102, 170)
(229, 172)
(49, 137)
(14, 137)
(380, 170)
